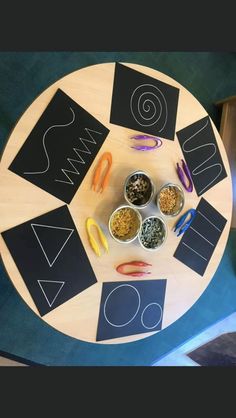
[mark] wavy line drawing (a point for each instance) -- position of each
(86, 150)
(196, 171)
(141, 105)
(44, 146)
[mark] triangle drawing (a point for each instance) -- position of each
(50, 289)
(52, 240)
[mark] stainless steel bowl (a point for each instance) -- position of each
(180, 200)
(149, 195)
(164, 235)
(134, 233)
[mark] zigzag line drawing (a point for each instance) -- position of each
(196, 171)
(44, 146)
(78, 152)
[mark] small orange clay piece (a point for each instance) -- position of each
(105, 157)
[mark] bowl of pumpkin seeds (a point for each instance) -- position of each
(153, 233)
(138, 189)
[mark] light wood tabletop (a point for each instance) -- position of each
(21, 201)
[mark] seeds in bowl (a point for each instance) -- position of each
(124, 223)
(168, 199)
(138, 189)
(152, 233)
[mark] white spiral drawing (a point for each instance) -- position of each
(148, 106)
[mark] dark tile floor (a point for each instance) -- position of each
(209, 77)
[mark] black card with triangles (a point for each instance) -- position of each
(51, 258)
(60, 148)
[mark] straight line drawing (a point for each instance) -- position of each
(196, 171)
(50, 281)
(186, 245)
(139, 302)
(209, 221)
(53, 227)
(77, 150)
(202, 236)
(140, 105)
(44, 146)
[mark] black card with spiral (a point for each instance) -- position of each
(143, 103)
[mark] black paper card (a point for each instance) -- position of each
(218, 352)
(199, 241)
(51, 258)
(61, 147)
(143, 103)
(202, 155)
(129, 308)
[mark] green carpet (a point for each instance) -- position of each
(209, 77)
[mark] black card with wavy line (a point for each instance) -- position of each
(60, 148)
(202, 155)
(143, 103)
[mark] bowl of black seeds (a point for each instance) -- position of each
(153, 233)
(138, 189)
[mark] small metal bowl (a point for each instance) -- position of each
(180, 200)
(150, 191)
(164, 235)
(134, 233)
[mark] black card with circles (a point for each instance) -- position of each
(143, 103)
(131, 307)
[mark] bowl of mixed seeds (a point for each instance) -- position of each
(138, 189)
(170, 199)
(124, 224)
(153, 233)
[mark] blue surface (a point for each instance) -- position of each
(210, 77)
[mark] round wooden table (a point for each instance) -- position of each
(21, 201)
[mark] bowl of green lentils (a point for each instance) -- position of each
(153, 233)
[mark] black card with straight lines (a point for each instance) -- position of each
(51, 258)
(201, 152)
(199, 241)
(61, 147)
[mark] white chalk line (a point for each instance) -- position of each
(202, 236)
(154, 326)
(151, 93)
(50, 281)
(81, 161)
(44, 146)
(196, 171)
(194, 251)
(209, 221)
(53, 227)
(104, 308)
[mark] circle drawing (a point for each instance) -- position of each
(159, 320)
(134, 315)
